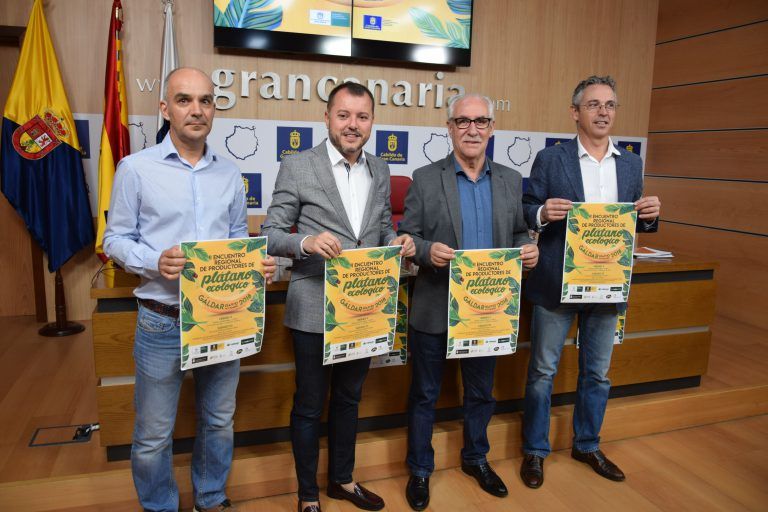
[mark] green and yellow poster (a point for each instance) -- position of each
(598, 252)
(360, 300)
(399, 353)
(221, 300)
(484, 302)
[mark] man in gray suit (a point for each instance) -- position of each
(588, 168)
(464, 201)
(337, 196)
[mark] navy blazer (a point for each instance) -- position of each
(556, 174)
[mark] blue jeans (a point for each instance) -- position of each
(549, 327)
(158, 384)
(428, 359)
(312, 379)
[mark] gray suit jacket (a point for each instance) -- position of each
(433, 214)
(306, 196)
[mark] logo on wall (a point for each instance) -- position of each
(371, 22)
(489, 147)
(252, 182)
(554, 141)
(392, 146)
(291, 141)
(631, 146)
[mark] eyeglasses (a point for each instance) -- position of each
(592, 106)
(481, 123)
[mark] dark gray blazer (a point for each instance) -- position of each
(433, 214)
(556, 173)
(306, 196)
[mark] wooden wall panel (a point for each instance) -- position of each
(734, 155)
(737, 52)
(742, 278)
(730, 205)
(17, 294)
(712, 106)
(681, 18)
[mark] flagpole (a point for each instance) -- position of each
(61, 327)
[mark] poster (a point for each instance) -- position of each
(484, 302)
(598, 252)
(399, 353)
(360, 300)
(221, 299)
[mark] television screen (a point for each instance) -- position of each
(422, 31)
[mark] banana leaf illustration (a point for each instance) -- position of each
(251, 14)
(190, 251)
(456, 33)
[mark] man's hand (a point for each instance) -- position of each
(324, 244)
(648, 208)
(555, 209)
(269, 267)
(409, 248)
(529, 253)
(171, 263)
(440, 254)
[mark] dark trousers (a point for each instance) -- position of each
(428, 359)
(312, 378)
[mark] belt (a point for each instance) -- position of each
(159, 307)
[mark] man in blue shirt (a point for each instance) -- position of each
(464, 201)
(177, 190)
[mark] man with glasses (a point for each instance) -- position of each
(464, 201)
(589, 168)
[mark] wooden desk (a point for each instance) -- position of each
(667, 340)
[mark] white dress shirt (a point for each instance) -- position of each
(597, 177)
(354, 184)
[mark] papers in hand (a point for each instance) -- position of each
(647, 252)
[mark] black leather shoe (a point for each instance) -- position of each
(417, 492)
(532, 471)
(487, 478)
(309, 508)
(600, 464)
(360, 497)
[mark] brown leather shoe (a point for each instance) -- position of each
(600, 463)
(360, 497)
(532, 471)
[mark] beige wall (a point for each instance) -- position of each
(708, 143)
(531, 52)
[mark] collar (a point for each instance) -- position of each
(611, 148)
(336, 157)
(167, 149)
(460, 170)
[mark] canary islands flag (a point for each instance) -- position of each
(42, 169)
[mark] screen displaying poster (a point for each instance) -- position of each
(221, 297)
(598, 252)
(360, 300)
(399, 354)
(484, 302)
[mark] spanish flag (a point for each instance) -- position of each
(42, 169)
(115, 143)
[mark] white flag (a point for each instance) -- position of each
(170, 60)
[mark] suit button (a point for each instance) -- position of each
(359, 243)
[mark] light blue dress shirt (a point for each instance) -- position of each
(159, 200)
(476, 202)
